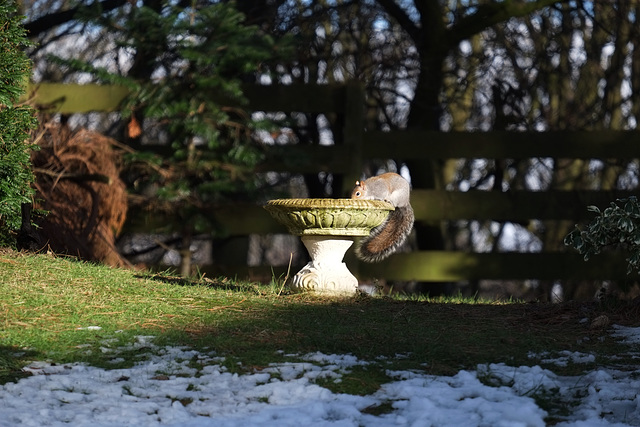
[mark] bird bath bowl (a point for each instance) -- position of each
(327, 228)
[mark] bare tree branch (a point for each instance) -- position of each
(47, 22)
(490, 14)
(397, 13)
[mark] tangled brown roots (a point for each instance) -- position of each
(77, 182)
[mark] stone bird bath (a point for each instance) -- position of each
(327, 228)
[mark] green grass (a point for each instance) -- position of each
(47, 305)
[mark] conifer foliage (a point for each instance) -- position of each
(16, 121)
(192, 138)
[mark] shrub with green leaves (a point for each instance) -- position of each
(618, 226)
(15, 121)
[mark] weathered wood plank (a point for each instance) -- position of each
(238, 219)
(243, 219)
(442, 266)
(435, 205)
(428, 205)
(307, 159)
(352, 134)
(73, 98)
(436, 266)
(77, 98)
(296, 97)
(410, 144)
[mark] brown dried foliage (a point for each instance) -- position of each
(77, 181)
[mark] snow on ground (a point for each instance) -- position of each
(167, 390)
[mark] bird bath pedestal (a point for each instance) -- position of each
(327, 228)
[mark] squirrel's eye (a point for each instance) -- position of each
(358, 194)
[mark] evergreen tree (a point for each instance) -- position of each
(15, 122)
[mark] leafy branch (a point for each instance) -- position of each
(616, 226)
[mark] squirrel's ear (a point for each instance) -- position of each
(357, 183)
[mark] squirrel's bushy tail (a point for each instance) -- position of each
(386, 238)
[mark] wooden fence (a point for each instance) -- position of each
(430, 206)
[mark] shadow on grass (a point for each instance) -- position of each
(438, 338)
(12, 360)
(251, 332)
(222, 283)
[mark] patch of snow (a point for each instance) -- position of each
(179, 387)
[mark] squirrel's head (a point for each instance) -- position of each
(358, 190)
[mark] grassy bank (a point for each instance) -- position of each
(62, 310)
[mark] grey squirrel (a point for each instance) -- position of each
(386, 238)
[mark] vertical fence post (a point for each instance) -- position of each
(353, 132)
(353, 139)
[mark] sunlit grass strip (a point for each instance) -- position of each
(68, 311)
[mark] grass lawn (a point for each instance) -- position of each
(62, 310)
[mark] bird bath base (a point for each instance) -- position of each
(327, 228)
(325, 273)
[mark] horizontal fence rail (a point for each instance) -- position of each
(410, 144)
(462, 266)
(428, 205)
(436, 205)
(70, 98)
(431, 206)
